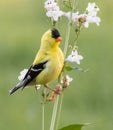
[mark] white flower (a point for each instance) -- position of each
(55, 14)
(90, 19)
(22, 74)
(74, 16)
(91, 15)
(68, 79)
(50, 4)
(53, 10)
(92, 8)
(74, 57)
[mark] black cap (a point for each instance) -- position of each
(55, 33)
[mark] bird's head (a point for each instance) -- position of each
(51, 38)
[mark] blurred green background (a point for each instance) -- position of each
(89, 99)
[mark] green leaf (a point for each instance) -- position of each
(70, 68)
(73, 127)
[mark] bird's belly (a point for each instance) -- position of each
(49, 74)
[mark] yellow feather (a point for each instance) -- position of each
(49, 50)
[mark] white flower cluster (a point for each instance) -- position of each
(90, 15)
(53, 10)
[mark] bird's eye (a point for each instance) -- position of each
(55, 33)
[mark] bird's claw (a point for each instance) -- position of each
(55, 92)
(52, 98)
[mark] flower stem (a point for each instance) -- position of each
(75, 4)
(58, 102)
(59, 99)
(43, 115)
(44, 98)
(59, 111)
(67, 36)
(54, 114)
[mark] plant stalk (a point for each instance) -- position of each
(43, 115)
(67, 36)
(44, 98)
(54, 114)
(62, 95)
(59, 99)
(59, 111)
(58, 102)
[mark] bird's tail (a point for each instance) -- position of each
(18, 86)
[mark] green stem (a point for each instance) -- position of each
(44, 98)
(58, 102)
(77, 36)
(75, 4)
(61, 96)
(43, 115)
(59, 99)
(67, 36)
(59, 111)
(54, 114)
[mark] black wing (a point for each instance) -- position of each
(31, 75)
(34, 71)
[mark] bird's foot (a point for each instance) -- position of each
(52, 98)
(56, 91)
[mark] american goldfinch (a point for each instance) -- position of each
(48, 62)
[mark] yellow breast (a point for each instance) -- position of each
(53, 67)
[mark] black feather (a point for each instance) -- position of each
(32, 73)
(55, 33)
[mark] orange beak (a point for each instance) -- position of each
(59, 39)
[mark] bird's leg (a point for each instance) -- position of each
(52, 98)
(55, 91)
(49, 87)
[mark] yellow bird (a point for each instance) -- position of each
(48, 62)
